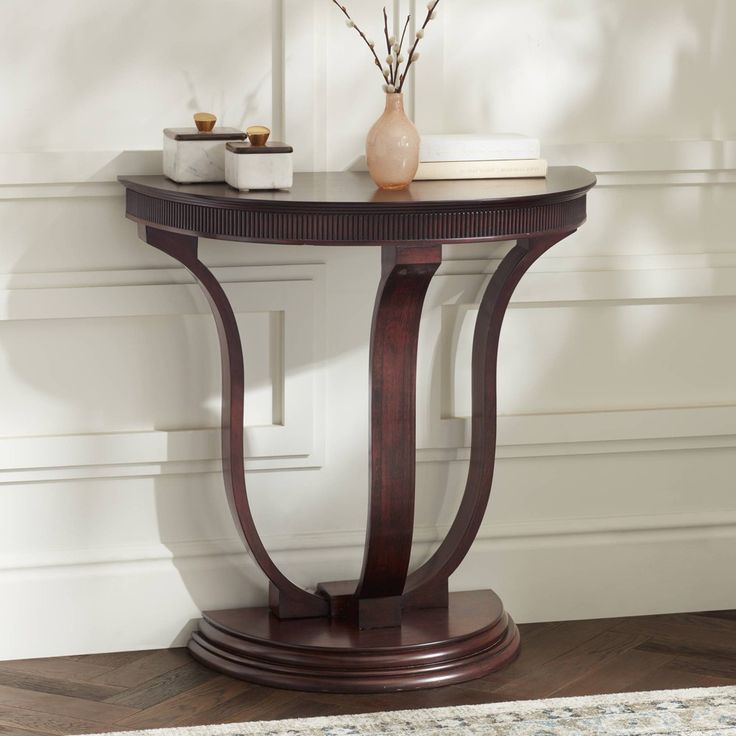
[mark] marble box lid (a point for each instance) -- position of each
(192, 134)
(271, 147)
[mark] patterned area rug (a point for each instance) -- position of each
(710, 711)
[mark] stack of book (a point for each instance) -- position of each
(497, 156)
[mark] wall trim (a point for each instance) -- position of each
(151, 454)
(296, 291)
(578, 530)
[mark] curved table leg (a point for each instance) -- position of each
(287, 599)
(406, 275)
(429, 582)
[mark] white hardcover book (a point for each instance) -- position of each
(447, 170)
(472, 147)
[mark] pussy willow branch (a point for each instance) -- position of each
(344, 10)
(410, 60)
(390, 72)
(392, 78)
(401, 47)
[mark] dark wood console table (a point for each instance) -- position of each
(392, 629)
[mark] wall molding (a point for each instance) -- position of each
(297, 292)
(596, 433)
(561, 281)
(694, 525)
(194, 452)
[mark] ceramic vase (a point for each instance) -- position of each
(392, 146)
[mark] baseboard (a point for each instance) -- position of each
(585, 569)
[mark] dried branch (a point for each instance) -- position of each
(392, 78)
(398, 52)
(394, 59)
(413, 56)
(352, 24)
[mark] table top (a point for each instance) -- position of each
(343, 208)
(356, 188)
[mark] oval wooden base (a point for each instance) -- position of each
(432, 647)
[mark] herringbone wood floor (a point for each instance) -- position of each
(155, 689)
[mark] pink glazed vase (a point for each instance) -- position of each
(392, 146)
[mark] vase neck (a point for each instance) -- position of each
(394, 102)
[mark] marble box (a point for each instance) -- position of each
(270, 166)
(191, 156)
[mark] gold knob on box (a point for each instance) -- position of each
(258, 135)
(205, 121)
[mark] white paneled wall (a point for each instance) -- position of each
(614, 485)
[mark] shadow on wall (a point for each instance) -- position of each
(133, 350)
(89, 78)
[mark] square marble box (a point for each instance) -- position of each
(270, 166)
(192, 157)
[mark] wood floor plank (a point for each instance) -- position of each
(709, 665)
(14, 731)
(437, 698)
(142, 669)
(673, 648)
(684, 633)
(182, 709)
(265, 704)
(615, 675)
(45, 722)
(711, 625)
(540, 649)
(61, 667)
(85, 710)
(302, 707)
(295, 705)
(253, 703)
(58, 686)
(671, 678)
(568, 667)
(113, 660)
(164, 687)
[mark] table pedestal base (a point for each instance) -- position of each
(431, 648)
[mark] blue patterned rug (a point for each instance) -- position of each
(702, 711)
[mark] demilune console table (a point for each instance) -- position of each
(392, 629)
